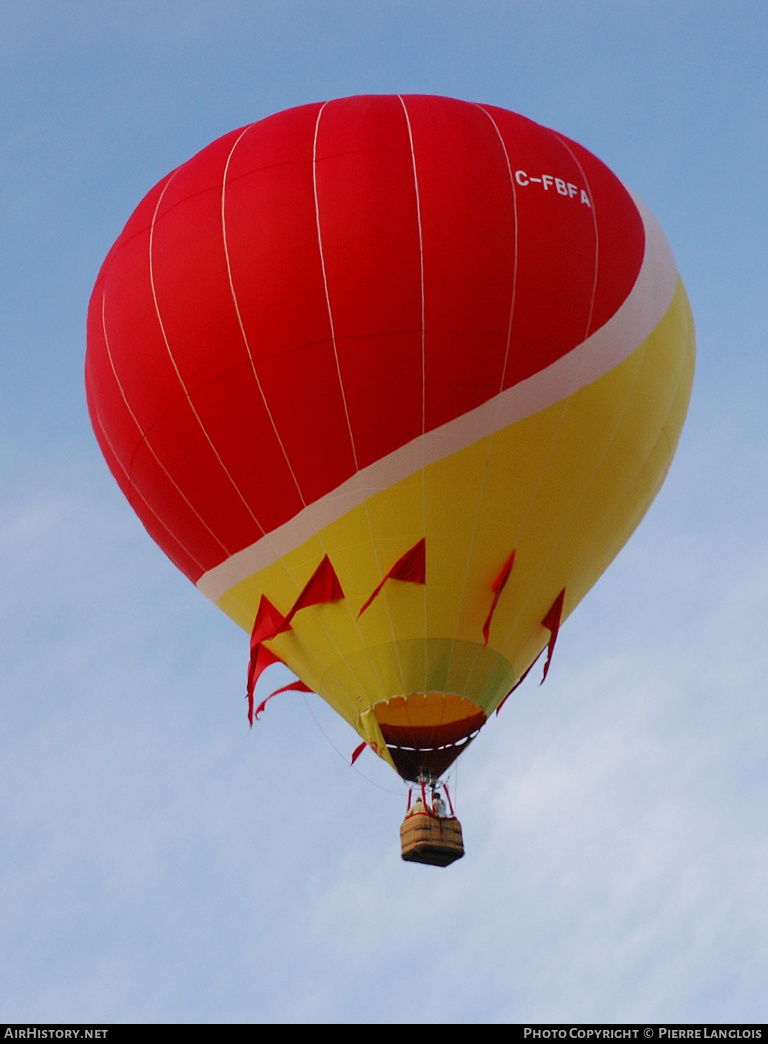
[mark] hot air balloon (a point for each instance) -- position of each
(392, 379)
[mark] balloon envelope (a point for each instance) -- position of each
(362, 324)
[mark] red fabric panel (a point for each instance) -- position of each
(190, 270)
(261, 658)
(154, 525)
(369, 225)
(268, 622)
(552, 622)
(556, 243)
(498, 586)
(323, 586)
(236, 421)
(251, 423)
(154, 497)
(195, 468)
(184, 519)
(620, 232)
(140, 358)
(518, 683)
(278, 277)
(197, 308)
(103, 393)
(294, 686)
(357, 752)
(412, 568)
(468, 229)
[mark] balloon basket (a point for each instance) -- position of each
(434, 840)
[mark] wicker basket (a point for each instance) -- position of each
(434, 840)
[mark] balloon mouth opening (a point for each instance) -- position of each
(426, 731)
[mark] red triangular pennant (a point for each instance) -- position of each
(357, 752)
(498, 586)
(261, 658)
(267, 623)
(268, 619)
(412, 568)
(323, 586)
(295, 686)
(518, 683)
(552, 622)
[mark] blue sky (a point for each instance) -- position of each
(161, 863)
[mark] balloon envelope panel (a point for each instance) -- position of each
(357, 324)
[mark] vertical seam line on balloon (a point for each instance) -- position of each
(662, 436)
(589, 319)
(501, 388)
(384, 593)
(279, 558)
(514, 278)
(318, 617)
(386, 600)
(614, 438)
(558, 430)
(325, 287)
(517, 542)
(164, 524)
(306, 649)
(421, 272)
(365, 502)
(145, 438)
(597, 232)
(240, 319)
(423, 362)
(355, 622)
(564, 527)
(192, 406)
